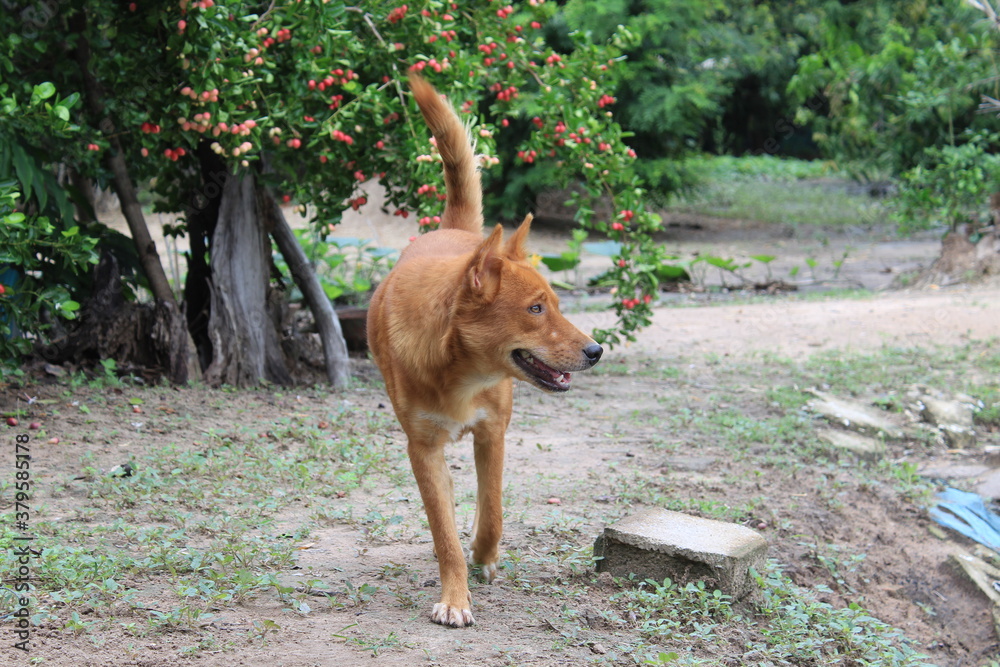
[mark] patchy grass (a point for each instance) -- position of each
(761, 188)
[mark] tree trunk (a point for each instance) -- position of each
(338, 363)
(202, 215)
(183, 366)
(245, 346)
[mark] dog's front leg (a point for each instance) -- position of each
(488, 526)
(436, 490)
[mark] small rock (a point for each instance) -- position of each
(54, 371)
(597, 648)
(864, 447)
(958, 437)
(854, 415)
(941, 412)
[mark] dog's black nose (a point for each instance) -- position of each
(593, 353)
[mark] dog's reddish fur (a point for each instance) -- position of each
(454, 323)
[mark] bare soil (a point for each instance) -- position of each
(630, 434)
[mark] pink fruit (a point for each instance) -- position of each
(11, 421)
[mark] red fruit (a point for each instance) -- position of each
(2, 289)
(34, 426)
(286, 198)
(11, 421)
(617, 226)
(53, 441)
(131, 7)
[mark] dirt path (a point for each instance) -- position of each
(798, 328)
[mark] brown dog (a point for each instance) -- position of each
(457, 319)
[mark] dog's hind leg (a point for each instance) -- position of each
(435, 484)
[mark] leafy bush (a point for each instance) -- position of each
(950, 187)
(347, 268)
(33, 254)
(43, 254)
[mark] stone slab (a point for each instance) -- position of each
(864, 447)
(854, 415)
(658, 544)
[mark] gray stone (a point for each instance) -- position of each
(871, 449)
(989, 485)
(940, 412)
(854, 415)
(958, 437)
(657, 544)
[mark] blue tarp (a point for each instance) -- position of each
(967, 514)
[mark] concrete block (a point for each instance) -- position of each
(657, 543)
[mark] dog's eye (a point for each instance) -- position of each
(536, 309)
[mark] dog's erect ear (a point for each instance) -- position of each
(515, 248)
(483, 274)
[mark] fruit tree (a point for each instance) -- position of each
(218, 110)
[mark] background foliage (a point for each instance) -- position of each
(311, 96)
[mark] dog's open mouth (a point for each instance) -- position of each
(544, 376)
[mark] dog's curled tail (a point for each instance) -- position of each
(464, 206)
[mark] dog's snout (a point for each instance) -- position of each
(593, 353)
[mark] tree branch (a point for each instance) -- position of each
(338, 363)
(115, 160)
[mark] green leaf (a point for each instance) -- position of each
(42, 91)
(721, 262)
(69, 306)
(672, 273)
(23, 168)
(563, 262)
(332, 291)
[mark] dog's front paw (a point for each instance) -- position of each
(456, 617)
